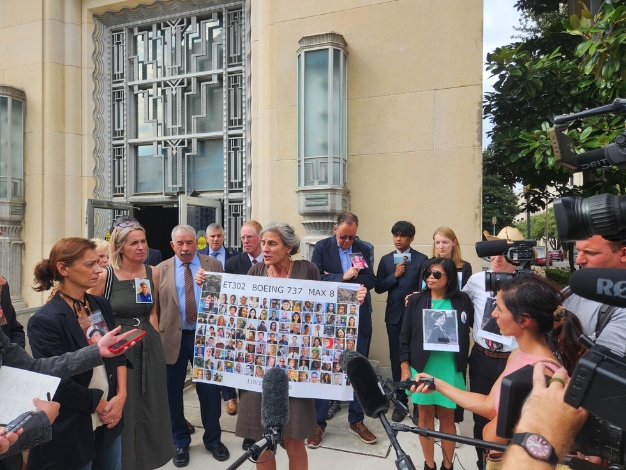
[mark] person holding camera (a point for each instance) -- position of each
(488, 357)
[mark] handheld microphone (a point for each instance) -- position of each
(604, 285)
(275, 400)
(274, 415)
(372, 398)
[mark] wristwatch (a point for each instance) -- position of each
(537, 446)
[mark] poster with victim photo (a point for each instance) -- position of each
(248, 324)
(441, 330)
(489, 328)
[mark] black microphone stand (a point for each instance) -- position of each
(270, 439)
(403, 461)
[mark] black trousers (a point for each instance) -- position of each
(393, 335)
(483, 373)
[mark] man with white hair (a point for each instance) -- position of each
(177, 308)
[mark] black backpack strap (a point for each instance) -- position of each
(109, 282)
(604, 315)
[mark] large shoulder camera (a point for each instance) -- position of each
(520, 253)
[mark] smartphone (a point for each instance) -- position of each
(136, 335)
(18, 422)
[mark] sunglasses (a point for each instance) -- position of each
(436, 274)
(347, 237)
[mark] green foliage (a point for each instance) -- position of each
(533, 86)
(538, 228)
(559, 275)
(499, 200)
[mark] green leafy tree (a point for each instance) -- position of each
(538, 228)
(499, 200)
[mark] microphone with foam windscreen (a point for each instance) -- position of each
(604, 285)
(372, 398)
(274, 415)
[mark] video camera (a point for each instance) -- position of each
(520, 253)
(578, 218)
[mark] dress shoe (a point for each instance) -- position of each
(360, 430)
(231, 406)
(190, 427)
(219, 451)
(398, 415)
(181, 459)
(247, 443)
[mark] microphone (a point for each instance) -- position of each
(275, 399)
(274, 415)
(604, 285)
(372, 398)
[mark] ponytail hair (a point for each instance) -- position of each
(66, 251)
(538, 298)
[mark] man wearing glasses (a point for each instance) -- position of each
(332, 257)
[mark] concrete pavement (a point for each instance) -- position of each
(340, 448)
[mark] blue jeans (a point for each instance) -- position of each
(109, 458)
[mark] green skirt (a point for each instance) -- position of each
(442, 365)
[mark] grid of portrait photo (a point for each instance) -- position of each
(246, 335)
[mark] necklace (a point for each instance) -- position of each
(272, 272)
(80, 307)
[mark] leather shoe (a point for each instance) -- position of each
(190, 427)
(219, 451)
(247, 443)
(231, 406)
(181, 459)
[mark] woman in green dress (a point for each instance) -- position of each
(419, 352)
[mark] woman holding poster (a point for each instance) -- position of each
(447, 360)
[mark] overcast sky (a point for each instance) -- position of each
(498, 21)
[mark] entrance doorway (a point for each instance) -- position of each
(158, 222)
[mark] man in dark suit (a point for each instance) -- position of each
(8, 318)
(154, 257)
(177, 309)
(215, 245)
(399, 277)
(332, 257)
(251, 242)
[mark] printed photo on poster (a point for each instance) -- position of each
(490, 330)
(401, 258)
(358, 261)
(248, 324)
(441, 330)
(143, 291)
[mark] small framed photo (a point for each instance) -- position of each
(143, 291)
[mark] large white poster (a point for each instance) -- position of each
(247, 324)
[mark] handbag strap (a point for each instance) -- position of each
(109, 282)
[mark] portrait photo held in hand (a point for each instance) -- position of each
(311, 324)
(440, 330)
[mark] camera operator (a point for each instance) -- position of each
(488, 357)
(545, 413)
(604, 323)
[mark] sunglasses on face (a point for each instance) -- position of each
(347, 237)
(436, 274)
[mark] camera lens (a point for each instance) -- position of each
(578, 218)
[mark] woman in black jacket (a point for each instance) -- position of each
(418, 354)
(87, 432)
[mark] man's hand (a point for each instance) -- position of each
(400, 270)
(199, 278)
(50, 408)
(351, 273)
(545, 412)
(8, 440)
(110, 339)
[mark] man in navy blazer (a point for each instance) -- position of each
(332, 257)
(251, 242)
(399, 277)
(215, 245)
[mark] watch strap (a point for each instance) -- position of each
(520, 439)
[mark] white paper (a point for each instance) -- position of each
(18, 388)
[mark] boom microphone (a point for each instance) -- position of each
(604, 285)
(365, 383)
(275, 400)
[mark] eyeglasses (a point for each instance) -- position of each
(436, 274)
(347, 237)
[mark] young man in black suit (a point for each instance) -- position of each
(332, 257)
(399, 279)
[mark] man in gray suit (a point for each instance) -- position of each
(177, 308)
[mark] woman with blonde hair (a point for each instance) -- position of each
(102, 248)
(446, 245)
(147, 436)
